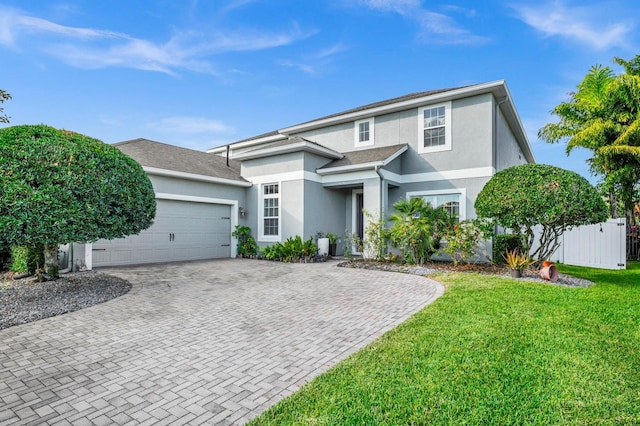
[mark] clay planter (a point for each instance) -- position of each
(549, 273)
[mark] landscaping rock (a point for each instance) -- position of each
(23, 300)
(481, 268)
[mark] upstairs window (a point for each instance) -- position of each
(435, 128)
(364, 132)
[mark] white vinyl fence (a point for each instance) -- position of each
(597, 246)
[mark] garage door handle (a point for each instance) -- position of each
(226, 245)
(98, 249)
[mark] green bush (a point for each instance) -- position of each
(503, 243)
(462, 240)
(25, 259)
(292, 250)
(376, 237)
(247, 246)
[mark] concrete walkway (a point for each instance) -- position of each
(212, 342)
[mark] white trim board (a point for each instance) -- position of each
(192, 176)
(478, 172)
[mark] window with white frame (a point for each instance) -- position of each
(270, 220)
(435, 128)
(364, 132)
(450, 201)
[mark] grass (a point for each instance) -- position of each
(492, 350)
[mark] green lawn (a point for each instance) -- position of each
(492, 351)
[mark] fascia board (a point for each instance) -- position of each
(350, 168)
(196, 177)
(296, 147)
(245, 144)
(395, 155)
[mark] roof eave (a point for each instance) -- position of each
(195, 177)
(247, 143)
(398, 106)
(286, 149)
(350, 168)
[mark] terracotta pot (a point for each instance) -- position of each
(549, 273)
(516, 273)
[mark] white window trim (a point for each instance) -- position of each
(460, 191)
(261, 197)
(356, 131)
(447, 129)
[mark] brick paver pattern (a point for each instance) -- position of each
(212, 342)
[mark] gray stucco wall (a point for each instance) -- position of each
(171, 185)
(471, 130)
(324, 209)
(275, 164)
(508, 153)
(292, 209)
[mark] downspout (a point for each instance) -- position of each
(227, 155)
(69, 267)
(495, 156)
(377, 170)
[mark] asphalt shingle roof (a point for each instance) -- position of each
(365, 156)
(169, 157)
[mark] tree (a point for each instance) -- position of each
(521, 197)
(602, 116)
(4, 96)
(416, 229)
(58, 187)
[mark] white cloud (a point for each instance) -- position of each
(578, 23)
(305, 68)
(190, 125)
(315, 63)
(93, 48)
(436, 28)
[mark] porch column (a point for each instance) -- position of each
(374, 198)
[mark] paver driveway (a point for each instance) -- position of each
(213, 342)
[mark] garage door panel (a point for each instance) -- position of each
(181, 231)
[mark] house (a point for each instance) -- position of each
(442, 145)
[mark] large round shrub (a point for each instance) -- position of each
(58, 186)
(521, 197)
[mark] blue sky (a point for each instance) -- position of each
(203, 73)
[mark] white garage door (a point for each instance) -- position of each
(182, 230)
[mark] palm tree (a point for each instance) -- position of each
(602, 116)
(417, 228)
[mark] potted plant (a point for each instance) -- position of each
(323, 244)
(333, 243)
(517, 262)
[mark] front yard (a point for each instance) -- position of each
(493, 350)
